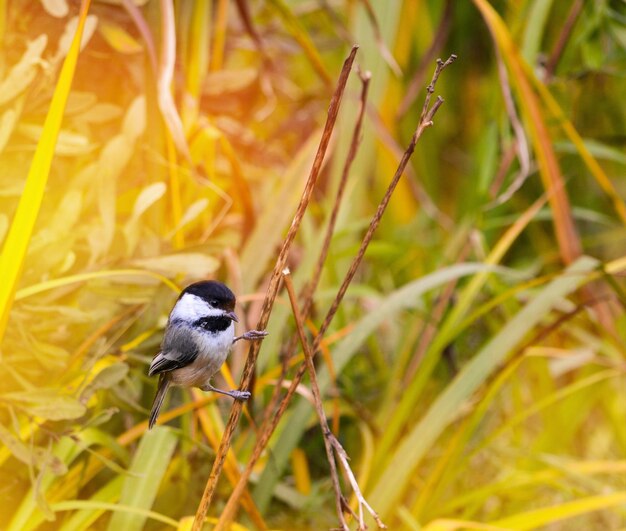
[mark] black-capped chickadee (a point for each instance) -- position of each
(198, 337)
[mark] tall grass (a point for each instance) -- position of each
(475, 369)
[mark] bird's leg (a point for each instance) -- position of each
(235, 393)
(251, 335)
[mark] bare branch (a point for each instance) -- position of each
(273, 420)
(272, 291)
(430, 89)
(268, 426)
(330, 441)
(317, 397)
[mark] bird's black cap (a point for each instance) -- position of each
(214, 292)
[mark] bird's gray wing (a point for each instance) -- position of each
(178, 350)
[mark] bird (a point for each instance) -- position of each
(199, 335)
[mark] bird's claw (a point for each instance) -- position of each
(240, 395)
(252, 335)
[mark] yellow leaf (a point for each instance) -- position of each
(68, 142)
(46, 403)
(66, 40)
(118, 38)
(7, 123)
(101, 113)
(23, 73)
(56, 8)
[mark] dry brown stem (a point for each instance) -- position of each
(317, 398)
(272, 291)
(419, 192)
(268, 425)
(426, 120)
(330, 441)
(311, 286)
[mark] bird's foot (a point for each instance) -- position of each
(240, 395)
(235, 393)
(251, 335)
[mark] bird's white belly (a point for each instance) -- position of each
(213, 351)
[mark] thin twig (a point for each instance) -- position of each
(144, 30)
(426, 122)
(430, 89)
(317, 397)
(273, 420)
(311, 286)
(164, 83)
(267, 425)
(309, 290)
(421, 195)
(272, 291)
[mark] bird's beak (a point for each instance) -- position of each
(233, 316)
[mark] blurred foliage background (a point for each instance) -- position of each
(477, 374)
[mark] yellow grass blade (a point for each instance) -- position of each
(447, 524)
(115, 508)
(16, 245)
(548, 515)
(83, 277)
(545, 476)
(398, 473)
(220, 35)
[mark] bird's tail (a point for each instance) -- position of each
(164, 383)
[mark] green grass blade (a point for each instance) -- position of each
(119, 510)
(146, 472)
(16, 245)
(535, 26)
(401, 469)
(88, 511)
(406, 297)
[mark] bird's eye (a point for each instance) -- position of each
(213, 302)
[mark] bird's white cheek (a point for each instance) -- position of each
(191, 307)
